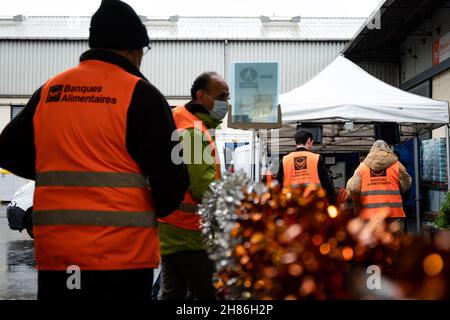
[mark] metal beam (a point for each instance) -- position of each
(428, 74)
(417, 185)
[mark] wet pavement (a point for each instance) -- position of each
(18, 277)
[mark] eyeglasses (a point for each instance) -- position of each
(146, 49)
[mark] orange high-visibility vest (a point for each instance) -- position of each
(186, 216)
(301, 168)
(92, 205)
(343, 198)
(380, 191)
(268, 178)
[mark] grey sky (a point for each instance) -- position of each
(336, 8)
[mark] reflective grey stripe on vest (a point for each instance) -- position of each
(382, 205)
(381, 193)
(298, 185)
(189, 207)
(90, 179)
(94, 218)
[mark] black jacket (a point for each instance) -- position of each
(148, 138)
(324, 177)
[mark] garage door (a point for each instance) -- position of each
(15, 110)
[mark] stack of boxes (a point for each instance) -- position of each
(434, 161)
(426, 167)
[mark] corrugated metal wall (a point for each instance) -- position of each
(26, 65)
(387, 72)
(442, 19)
(171, 65)
(298, 61)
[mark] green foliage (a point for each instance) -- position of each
(443, 219)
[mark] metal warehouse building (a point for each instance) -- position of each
(32, 49)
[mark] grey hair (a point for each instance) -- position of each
(380, 145)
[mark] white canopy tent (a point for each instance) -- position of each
(343, 92)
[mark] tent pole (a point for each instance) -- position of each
(257, 155)
(417, 184)
(447, 138)
(252, 155)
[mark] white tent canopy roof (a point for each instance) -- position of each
(345, 92)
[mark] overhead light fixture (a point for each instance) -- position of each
(264, 19)
(174, 18)
(348, 126)
(19, 18)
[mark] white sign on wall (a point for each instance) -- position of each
(441, 49)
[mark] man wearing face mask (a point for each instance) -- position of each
(185, 266)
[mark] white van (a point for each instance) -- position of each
(19, 211)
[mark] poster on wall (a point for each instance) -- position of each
(255, 91)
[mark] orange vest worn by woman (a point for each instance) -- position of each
(300, 168)
(380, 191)
(92, 205)
(186, 217)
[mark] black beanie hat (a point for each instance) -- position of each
(115, 25)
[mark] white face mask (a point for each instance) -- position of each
(219, 110)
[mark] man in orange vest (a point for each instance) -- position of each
(268, 176)
(303, 167)
(97, 140)
(185, 265)
(378, 184)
